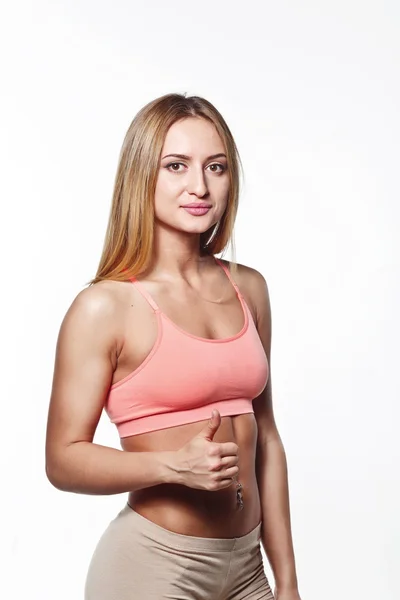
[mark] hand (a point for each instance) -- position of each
(207, 465)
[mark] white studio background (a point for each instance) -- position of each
(311, 93)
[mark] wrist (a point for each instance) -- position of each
(170, 470)
(286, 582)
(286, 587)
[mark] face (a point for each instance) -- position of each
(192, 189)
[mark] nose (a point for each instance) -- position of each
(196, 183)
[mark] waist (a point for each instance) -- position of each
(188, 542)
(200, 513)
(193, 511)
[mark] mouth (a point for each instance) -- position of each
(197, 208)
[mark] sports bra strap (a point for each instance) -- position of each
(145, 294)
(228, 274)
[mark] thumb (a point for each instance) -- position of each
(209, 430)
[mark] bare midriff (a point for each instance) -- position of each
(197, 512)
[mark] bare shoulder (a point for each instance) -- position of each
(96, 302)
(97, 310)
(253, 285)
(251, 278)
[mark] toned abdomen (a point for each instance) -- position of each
(195, 512)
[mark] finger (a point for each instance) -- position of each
(227, 473)
(229, 461)
(211, 427)
(229, 449)
(225, 483)
(223, 463)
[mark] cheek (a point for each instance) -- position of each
(165, 196)
(221, 210)
(167, 187)
(224, 197)
(221, 188)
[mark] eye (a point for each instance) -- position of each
(174, 164)
(215, 167)
(222, 168)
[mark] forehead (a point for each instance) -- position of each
(193, 135)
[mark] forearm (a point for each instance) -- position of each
(87, 468)
(272, 480)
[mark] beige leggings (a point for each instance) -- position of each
(137, 559)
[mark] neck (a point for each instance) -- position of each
(177, 254)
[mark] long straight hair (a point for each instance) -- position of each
(128, 243)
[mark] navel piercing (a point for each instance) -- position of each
(239, 495)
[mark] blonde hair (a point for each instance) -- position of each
(128, 244)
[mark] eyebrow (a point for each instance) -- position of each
(185, 157)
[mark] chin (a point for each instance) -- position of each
(195, 225)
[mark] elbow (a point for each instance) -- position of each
(54, 475)
(57, 473)
(266, 438)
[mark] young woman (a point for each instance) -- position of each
(175, 345)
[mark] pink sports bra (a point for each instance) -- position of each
(184, 377)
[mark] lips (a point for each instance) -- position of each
(197, 209)
(197, 205)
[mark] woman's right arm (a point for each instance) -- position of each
(86, 355)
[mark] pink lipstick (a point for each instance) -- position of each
(197, 208)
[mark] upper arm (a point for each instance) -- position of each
(257, 289)
(85, 360)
